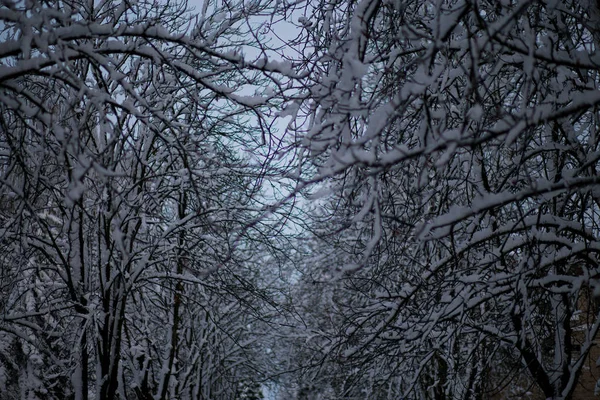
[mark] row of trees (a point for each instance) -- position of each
(129, 207)
(458, 143)
(446, 247)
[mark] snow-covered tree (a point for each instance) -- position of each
(450, 149)
(128, 200)
(459, 142)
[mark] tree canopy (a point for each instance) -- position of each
(299, 200)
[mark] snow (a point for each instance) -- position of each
(449, 173)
